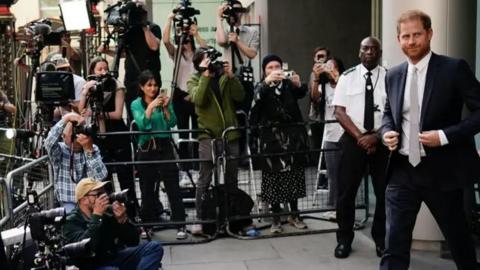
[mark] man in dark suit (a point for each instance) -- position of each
(433, 150)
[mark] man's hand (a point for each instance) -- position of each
(274, 76)
(86, 142)
(368, 142)
(318, 69)
(87, 86)
(430, 138)
(227, 68)
(171, 16)
(120, 212)
(232, 38)
(390, 139)
(295, 78)
(101, 204)
(73, 117)
(204, 64)
(221, 9)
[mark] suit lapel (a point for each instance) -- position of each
(401, 82)
(427, 94)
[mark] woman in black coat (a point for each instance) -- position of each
(276, 110)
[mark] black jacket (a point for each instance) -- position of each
(274, 108)
(106, 235)
(449, 85)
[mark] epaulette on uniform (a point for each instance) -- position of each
(348, 71)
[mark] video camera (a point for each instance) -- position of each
(231, 13)
(125, 14)
(54, 88)
(43, 225)
(41, 35)
(104, 83)
(184, 18)
(215, 64)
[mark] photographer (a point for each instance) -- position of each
(182, 105)
(214, 89)
(243, 39)
(142, 43)
(114, 240)
(152, 111)
(73, 159)
(283, 177)
(111, 93)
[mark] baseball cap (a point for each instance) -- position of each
(59, 61)
(86, 185)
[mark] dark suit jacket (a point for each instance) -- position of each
(450, 84)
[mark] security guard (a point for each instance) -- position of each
(359, 103)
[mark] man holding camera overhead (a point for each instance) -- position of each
(114, 240)
(73, 159)
(142, 43)
(214, 89)
(240, 43)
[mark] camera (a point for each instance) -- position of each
(104, 83)
(288, 74)
(88, 130)
(185, 17)
(121, 196)
(125, 14)
(215, 64)
(42, 224)
(77, 249)
(231, 13)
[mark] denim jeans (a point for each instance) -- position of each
(146, 256)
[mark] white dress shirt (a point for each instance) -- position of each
(422, 68)
(350, 93)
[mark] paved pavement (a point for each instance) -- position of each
(314, 251)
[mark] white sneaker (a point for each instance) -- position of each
(194, 175)
(197, 229)
(276, 227)
(184, 180)
(181, 234)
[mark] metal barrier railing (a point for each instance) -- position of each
(191, 214)
(309, 207)
(248, 181)
(36, 175)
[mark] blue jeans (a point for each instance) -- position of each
(145, 256)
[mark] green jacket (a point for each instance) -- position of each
(211, 116)
(106, 235)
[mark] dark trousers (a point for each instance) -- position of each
(150, 177)
(206, 170)
(403, 200)
(116, 149)
(184, 111)
(354, 164)
(146, 256)
(131, 94)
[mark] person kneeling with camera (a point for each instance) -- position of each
(114, 240)
(73, 159)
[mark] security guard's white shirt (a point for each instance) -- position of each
(350, 93)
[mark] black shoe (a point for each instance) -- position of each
(380, 250)
(342, 251)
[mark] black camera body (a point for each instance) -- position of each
(125, 14)
(184, 18)
(215, 64)
(104, 83)
(89, 130)
(121, 196)
(41, 35)
(43, 225)
(231, 13)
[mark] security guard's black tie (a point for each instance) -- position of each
(369, 106)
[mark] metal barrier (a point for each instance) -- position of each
(189, 203)
(310, 207)
(35, 175)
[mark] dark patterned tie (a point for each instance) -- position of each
(369, 106)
